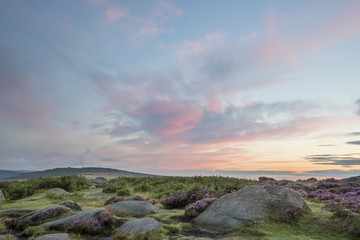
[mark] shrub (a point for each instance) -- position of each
(290, 215)
(194, 209)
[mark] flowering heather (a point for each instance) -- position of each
(51, 212)
(291, 214)
(194, 209)
(92, 226)
(184, 198)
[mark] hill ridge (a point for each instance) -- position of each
(58, 172)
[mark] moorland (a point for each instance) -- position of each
(169, 207)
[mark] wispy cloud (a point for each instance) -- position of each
(353, 142)
(333, 159)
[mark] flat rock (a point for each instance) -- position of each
(139, 226)
(3, 237)
(133, 208)
(55, 236)
(65, 223)
(58, 191)
(71, 204)
(2, 197)
(247, 205)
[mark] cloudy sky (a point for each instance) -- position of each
(241, 88)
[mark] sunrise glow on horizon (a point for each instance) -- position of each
(233, 88)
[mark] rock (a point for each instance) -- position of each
(263, 179)
(3, 237)
(113, 200)
(40, 216)
(65, 223)
(15, 212)
(71, 204)
(58, 191)
(247, 205)
(55, 236)
(2, 197)
(139, 226)
(134, 198)
(133, 208)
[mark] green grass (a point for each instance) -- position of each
(317, 225)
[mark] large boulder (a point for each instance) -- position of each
(2, 197)
(139, 226)
(40, 216)
(55, 236)
(58, 191)
(71, 204)
(65, 223)
(247, 205)
(133, 208)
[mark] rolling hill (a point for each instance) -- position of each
(57, 172)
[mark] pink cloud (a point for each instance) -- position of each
(115, 13)
(167, 118)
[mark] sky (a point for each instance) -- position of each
(233, 88)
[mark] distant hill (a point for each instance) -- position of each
(57, 172)
(8, 174)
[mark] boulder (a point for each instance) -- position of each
(134, 198)
(133, 208)
(65, 223)
(3, 237)
(113, 200)
(55, 236)
(40, 216)
(2, 197)
(58, 191)
(71, 204)
(139, 226)
(247, 205)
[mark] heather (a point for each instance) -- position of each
(94, 226)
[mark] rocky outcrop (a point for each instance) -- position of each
(40, 216)
(65, 223)
(247, 205)
(71, 204)
(55, 236)
(139, 226)
(133, 208)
